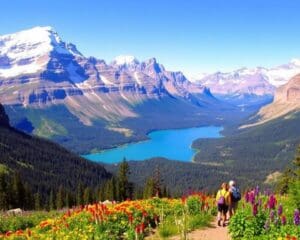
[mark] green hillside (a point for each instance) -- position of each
(44, 165)
(255, 152)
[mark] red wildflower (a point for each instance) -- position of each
(19, 232)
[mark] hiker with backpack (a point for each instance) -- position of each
(235, 196)
(223, 201)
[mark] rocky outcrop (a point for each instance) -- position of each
(286, 101)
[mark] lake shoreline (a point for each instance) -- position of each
(209, 131)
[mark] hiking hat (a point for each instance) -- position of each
(231, 183)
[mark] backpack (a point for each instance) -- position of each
(236, 195)
(221, 200)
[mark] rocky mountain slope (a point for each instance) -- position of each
(258, 81)
(52, 90)
(286, 102)
(38, 69)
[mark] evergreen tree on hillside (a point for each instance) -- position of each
(157, 182)
(28, 199)
(3, 192)
(110, 189)
(296, 163)
(51, 200)
(60, 198)
(87, 196)
(17, 192)
(290, 180)
(37, 201)
(149, 188)
(79, 194)
(294, 188)
(123, 180)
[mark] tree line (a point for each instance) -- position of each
(14, 193)
(289, 181)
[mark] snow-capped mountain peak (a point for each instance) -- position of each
(125, 60)
(28, 51)
(258, 80)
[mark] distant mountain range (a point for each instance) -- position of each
(50, 89)
(43, 70)
(259, 81)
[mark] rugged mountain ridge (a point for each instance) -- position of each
(38, 69)
(258, 81)
(50, 89)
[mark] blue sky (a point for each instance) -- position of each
(190, 35)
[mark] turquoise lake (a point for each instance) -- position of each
(173, 144)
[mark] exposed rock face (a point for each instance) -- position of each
(4, 121)
(289, 92)
(38, 69)
(286, 100)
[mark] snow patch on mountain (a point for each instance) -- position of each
(125, 60)
(257, 80)
(28, 51)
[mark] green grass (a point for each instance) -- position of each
(170, 228)
(199, 221)
(49, 128)
(26, 220)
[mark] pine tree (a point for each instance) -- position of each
(114, 188)
(296, 163)
(149, 188)
(87, 196)
(157, 182)
(123, 181)
(3, 192)
(51, 200)
(67, 200)
(60, 198)
(37, 201)
(79, 194)
(294, 187)
(165, 192)
(28, 199)
(17, 191)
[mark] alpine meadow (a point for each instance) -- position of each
(153, 120)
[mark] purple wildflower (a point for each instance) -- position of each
(279, 211)
(272, 202)
(297, 217)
